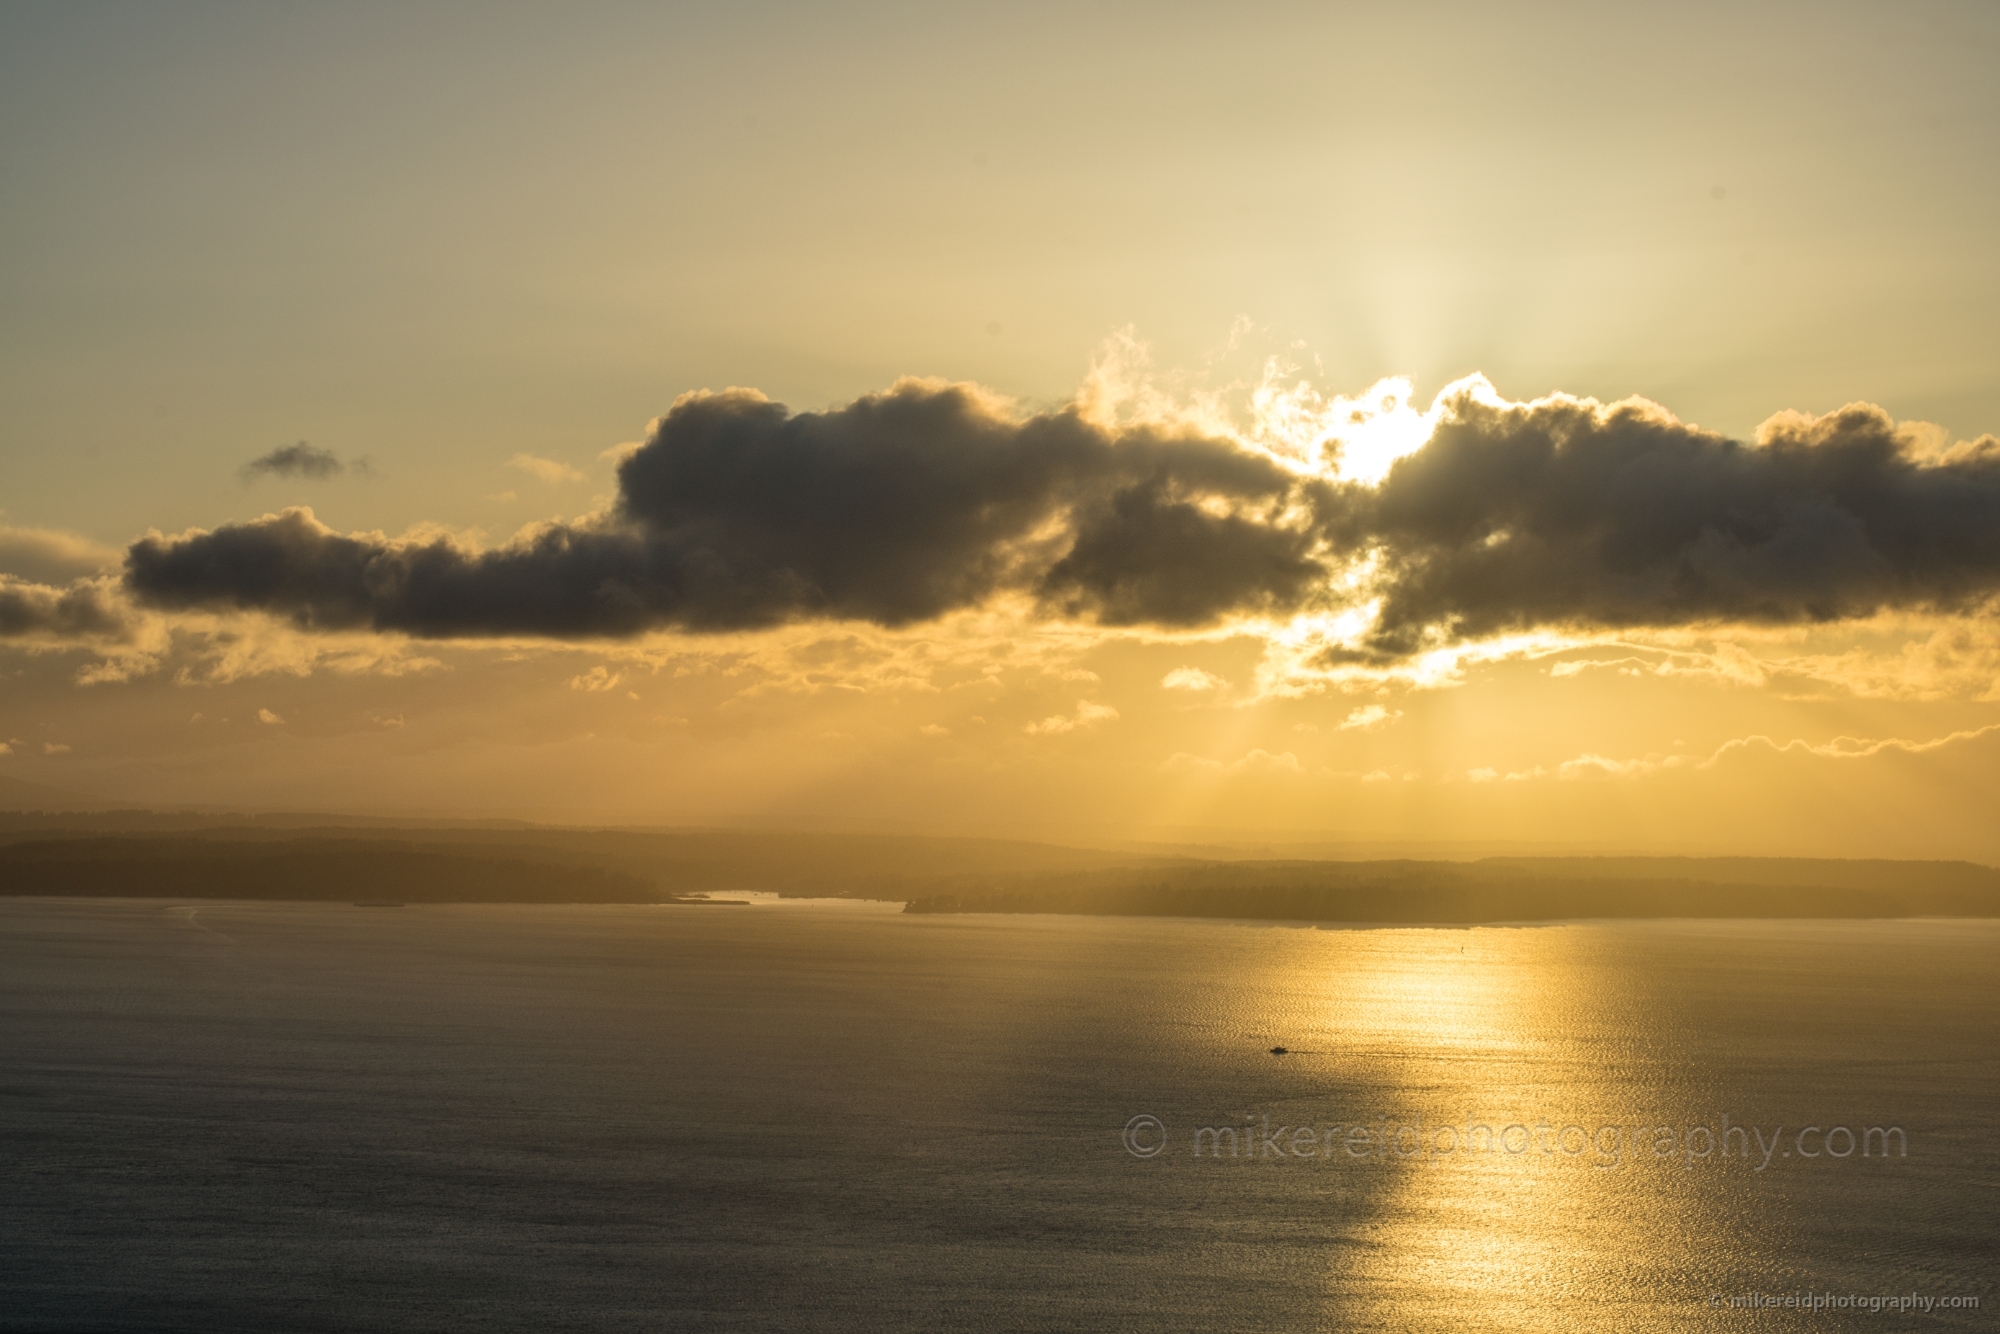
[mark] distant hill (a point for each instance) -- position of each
(1495, 890)
(44, 821)
(1872, 874)
(303, 869)
(55, 856)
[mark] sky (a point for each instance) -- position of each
(1568, 425)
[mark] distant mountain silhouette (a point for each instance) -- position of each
(141, 867)
(1512, 889)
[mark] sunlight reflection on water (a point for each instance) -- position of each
(834, 1116)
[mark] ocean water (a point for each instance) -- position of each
(829, 1116)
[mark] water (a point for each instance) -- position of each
(234, 1116)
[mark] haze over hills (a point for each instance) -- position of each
(26, 807)
(300, 856)
(20, 794)
(143, 853)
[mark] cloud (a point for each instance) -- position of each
(85, 609)
(1847, 747)
(736, 514)
(1840, 748)
(1369, 718)
(269, 718)
(545, 470)
(89, 613)
(1623, 666)
(597, 680)
(1258, 761)
(216, 654)
(1086, 715)
(1149, 555)
(1568, 512)
(1262, 761)
(933, 498)
(48, 556)
(1587, 766)
(299, 460)
(1597, 766)
(1192, 678)
(1957, 658)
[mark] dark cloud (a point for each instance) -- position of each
(736, 513)
(564, 582)
(299, 460)
(1564, 512)
(84, 609)
(1144, 556)
(898, 507)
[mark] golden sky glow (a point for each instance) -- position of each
(431, 288)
